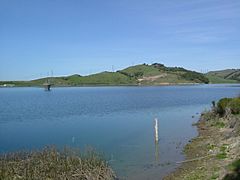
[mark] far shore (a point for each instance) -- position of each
(122, 85)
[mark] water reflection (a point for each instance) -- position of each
(156, 153)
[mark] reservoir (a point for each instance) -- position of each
(116, 121)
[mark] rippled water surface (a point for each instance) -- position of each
(118, 121)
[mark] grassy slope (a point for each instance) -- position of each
(161, 74)
(104, 78)
(224, 76)
(218, 80)
(222, 73)
(146, 70)
(108, 78)
(150, 75)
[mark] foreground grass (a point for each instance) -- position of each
(52, 164)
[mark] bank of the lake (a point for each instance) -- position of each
(16, 84)
(214, 153)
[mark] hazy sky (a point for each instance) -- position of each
(89, 36)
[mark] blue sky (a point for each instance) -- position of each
(89, 36)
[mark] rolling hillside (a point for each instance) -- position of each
(144, 74)
(157, 74)
(224, 76)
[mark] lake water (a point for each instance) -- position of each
(118, 121)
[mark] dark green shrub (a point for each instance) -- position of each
(222, 104)
(138, 74)
(195, 76)
(235, 171)
(234, 166)
(221, 155)
(234, 105)
(158, 65)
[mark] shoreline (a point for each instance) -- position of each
(210, 154)
(125, 85)
(115, 85)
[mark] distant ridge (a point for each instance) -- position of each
(224, 76)
(142, 74)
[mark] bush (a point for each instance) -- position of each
(222, 105)
(235, 171)
(234, 106)
(138, 74)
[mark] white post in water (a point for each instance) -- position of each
(156, 130)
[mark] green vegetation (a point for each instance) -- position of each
(52, 164)
(108, 78)
(215, 176)
(140, 70)
(232, 104)
(104, 78)
(211, 146)
(194, 76)
(234, 165)
(158, 74)
(222, 154)
(144, 74)
(218, 80)
(224, 76)
(214, 154)
(222, 105)
(235, 171)
(218, 124)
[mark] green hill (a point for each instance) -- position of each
(104, 78)
(224, 76)
(157, 74)
(144, 74)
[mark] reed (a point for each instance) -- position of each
(50, 163)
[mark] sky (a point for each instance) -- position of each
(67, 37)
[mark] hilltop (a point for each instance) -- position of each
(143, 74)
(157, 74)
(224, 76)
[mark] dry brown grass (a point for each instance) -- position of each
(49, 164)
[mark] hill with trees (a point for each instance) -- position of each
(143, 74)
